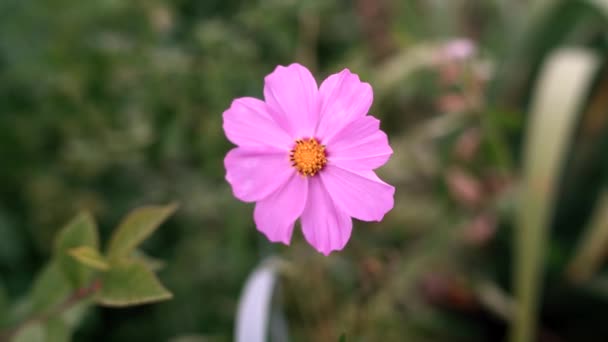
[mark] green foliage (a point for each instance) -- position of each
(57, 330)
(49, 290)
(557, 102)
(130, 283)
(109, 104)
(151, 263)
(53, 330)
(31, 333)
(43, 321)
(135, 228)
(125, 279)
(90, 257)
(80, 232)
(78, 271)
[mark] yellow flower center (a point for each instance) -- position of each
(308, 156)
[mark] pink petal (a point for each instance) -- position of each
(275, 215)
(360, 194)
(325, 227)
(247, 123)
(254, 174)
(291, 95)
(458, 49)
(361, 145)
(343, 98)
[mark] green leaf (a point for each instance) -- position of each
(135, 228)
(52, 330)
(74, 315)
(89, 257)
(558, 99)
(49, 293)
(130, 283)
(57, 330)
(81, 231)
(50, 289)
(31, 333)
(153, 264)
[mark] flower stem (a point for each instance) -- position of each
(70, 301)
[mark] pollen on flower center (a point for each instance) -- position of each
(308, 156)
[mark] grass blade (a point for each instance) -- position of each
(556, 104)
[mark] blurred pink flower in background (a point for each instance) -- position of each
(461, 75)
(464, 188)
(458, 49)
(308, 152)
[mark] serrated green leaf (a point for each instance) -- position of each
(130, 283)
(135, 228)
(89, 257)
(81, 231)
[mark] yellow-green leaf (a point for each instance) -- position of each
(81, 231)
(135, 228)
(89, 257)
(130, 283)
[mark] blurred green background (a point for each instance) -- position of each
(500, 166)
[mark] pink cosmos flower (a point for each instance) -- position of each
(308, 152)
